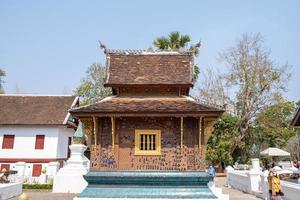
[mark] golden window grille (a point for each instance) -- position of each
(147, 142)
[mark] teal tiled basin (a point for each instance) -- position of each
(147, 178)
(147, 185)
(148, 192)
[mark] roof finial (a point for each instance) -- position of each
(195, 48)
(198, 45)
(102, 46)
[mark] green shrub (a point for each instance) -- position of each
(38, 186)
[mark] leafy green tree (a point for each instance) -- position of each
(176, 41)
(219, 145)
(293, 146)
(298, 103)
(2, 74)
(273, 125)
(271, 128)
(92, 87)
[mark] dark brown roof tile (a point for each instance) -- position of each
(146, 104)
(149, 69)
(17, 109)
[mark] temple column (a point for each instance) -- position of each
(95, 121)
(202, 132)
(199, 132)
(113, 129)
(115, 142)
(202, 136)
(96, 148)
(181, 134)
(91, 130)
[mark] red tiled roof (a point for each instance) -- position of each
(51, 110)
(149, 68)
(176, 105)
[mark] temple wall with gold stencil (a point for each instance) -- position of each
(88, 129)
(173, 156)
(209, 128)
(119, 154)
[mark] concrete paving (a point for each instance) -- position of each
(48, 195)
(233, 194)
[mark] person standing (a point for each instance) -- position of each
(274, 185)
(211, 170)
(223, 166)
(270, 177)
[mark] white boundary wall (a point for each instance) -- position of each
(255, 183)
(238, 180)
(9, 190)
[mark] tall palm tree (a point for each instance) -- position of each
(175, 41)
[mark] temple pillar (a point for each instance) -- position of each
(91, 129)
(95, 130)
(113, 129)
(114, 151)
(202, 128)
(181, 134)
(96, 146)
(199, 133)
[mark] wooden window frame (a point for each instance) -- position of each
(36, 142)
(4, 143)
(6, 166)
(34, 173)
(138, 151)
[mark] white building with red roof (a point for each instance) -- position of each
(35, 132)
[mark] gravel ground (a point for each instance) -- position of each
(48, 195)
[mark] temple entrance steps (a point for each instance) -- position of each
(147, 185)
(149, 192)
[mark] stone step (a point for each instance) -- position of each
(151, 178)
(149, 192)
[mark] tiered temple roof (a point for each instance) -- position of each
(148, 105)
(149, 68)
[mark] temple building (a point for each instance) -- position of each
(150, 122)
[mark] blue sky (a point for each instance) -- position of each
(46, 46)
